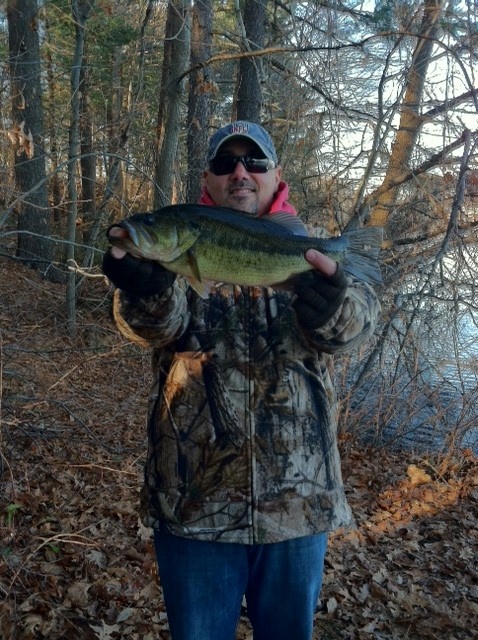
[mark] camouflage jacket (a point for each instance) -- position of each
(242, 430)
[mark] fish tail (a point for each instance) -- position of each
(361, 259)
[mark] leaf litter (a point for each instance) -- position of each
(76, 561)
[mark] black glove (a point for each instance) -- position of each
(318, 297)
(137, 277)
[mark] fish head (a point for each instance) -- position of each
(153, 236)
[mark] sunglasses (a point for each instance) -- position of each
(223, 165)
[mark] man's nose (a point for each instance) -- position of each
(239, 171)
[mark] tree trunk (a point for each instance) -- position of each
(51, 124)
(115, 130)
(34, 219)
(200, 89)
(176, 56)
(80, 11)
(410, 119)
(88, 159)
(249, 92)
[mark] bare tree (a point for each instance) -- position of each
(80, 11)
(252, 29)
(176, 57)
(87, 157)
(34, 245)
(200, 89)
(410, 119)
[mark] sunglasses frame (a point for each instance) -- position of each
(251, 164)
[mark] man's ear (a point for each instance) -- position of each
(278, 174)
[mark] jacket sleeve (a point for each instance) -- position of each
(154, 321)
(353, 323)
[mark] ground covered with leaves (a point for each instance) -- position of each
(75, 560)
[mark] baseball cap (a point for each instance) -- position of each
(243, 129)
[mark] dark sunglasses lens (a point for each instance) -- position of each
(256, 165)
(224, 165)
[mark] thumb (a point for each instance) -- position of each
(117, 253)
(321, 262)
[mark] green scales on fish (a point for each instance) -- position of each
(220, 245)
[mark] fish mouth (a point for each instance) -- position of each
(129, 237)
(122, 231)
(117, 230)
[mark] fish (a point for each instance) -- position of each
(211, 245)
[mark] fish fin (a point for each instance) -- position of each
(290, 223)
(362, 255)
(193, 265)
(201, 287)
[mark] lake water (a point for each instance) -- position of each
(426, 397)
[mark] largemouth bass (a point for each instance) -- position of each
(221, 245)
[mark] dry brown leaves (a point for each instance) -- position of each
(409, 569)
(76, 562)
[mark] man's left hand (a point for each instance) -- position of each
(319, 292)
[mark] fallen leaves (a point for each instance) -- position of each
(418, 476)
(400, 572)
(76, 561)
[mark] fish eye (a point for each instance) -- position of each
(149, 219)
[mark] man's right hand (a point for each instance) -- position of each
(134, 276)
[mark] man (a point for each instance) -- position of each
(242, 478)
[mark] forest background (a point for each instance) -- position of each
(106, 108)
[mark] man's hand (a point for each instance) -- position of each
(132, 275)
(320, 292)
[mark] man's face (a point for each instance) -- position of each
(252, 193)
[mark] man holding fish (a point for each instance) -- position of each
(243, 312)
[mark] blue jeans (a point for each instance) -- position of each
(203, 584)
